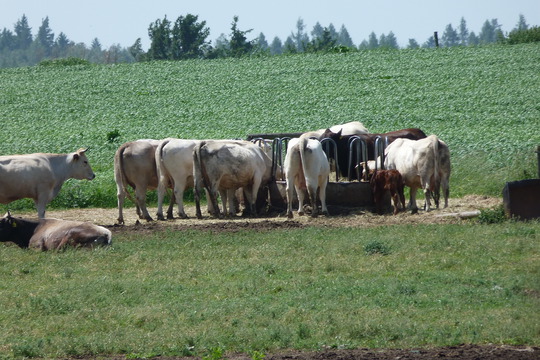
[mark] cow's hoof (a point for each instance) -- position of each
(290, 215)
(184, 216)
(160, 217)
(170, 217)
(301, 213)
(326, 213)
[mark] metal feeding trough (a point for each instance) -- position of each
(352, 194)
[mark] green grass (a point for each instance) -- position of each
(198, 293)
(484, 102)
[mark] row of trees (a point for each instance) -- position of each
(187, 38)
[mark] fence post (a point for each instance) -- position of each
(538, 156)
(436, 37)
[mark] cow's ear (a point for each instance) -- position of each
(76, 156)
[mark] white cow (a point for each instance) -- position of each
(135, 165)
(418, 162)
(40, 176)
(350, 128)
(306, 166)
(226, 165)
(174, 161)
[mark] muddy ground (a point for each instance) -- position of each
(457, 211)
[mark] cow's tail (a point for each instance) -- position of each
(159, 158)
(436, 177)
(302, 147)
(199, 176)
(120, 174)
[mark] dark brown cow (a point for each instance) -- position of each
(342, 142)
(384, 181)
(50, 234)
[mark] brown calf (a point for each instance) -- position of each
(387, 180)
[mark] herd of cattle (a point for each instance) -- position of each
(223, 167)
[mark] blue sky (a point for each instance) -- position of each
(122, 22)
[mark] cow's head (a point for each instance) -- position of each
(81, 168)
(8, 226)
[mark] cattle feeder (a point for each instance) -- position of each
(339, 193)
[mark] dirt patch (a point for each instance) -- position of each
(461, 352)
(341, 217)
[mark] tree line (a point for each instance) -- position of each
(187, 38)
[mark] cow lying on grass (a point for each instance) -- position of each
(52, 234)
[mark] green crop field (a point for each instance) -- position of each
(484, 102)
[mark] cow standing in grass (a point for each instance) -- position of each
(40, 176)
(306, 167)
(224, 166)
(135, 165)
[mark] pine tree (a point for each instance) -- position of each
(373, 43)
(413, 44)
(7, 40)
(45, 37)
(522, 24)
(136, 50)
(160, 37)
(300, 38)
(463, 32)
(189, 38)
(261, 44)
(276, 47)
(450, 37)
(239, 45)
(344, 38)
(23, 34)
(317, 31)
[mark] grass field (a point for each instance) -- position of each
(484, 102)
(192, 292)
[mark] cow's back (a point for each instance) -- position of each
(233, 164)
(19, 176)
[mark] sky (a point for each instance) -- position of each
(123, 21)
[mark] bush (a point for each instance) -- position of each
(71, 61)
(524, 36)
(492, 216)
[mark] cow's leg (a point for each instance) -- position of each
(121, 195)
(197, 196)
(322, 194)
(290, 193)
(427, 203)
(300, 195)
(412, 200)
(401, 193)
(395, 199)
(162, 188)
(312, 192)
(178, 192)
(140, 196)
(171, 207)
(41, 204)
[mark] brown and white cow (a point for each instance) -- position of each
(50, 234)
(40, 176)
(135, 165)
(174, 161)
(306, 167)
(387, 181)
(225, 166)
(418, 162)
